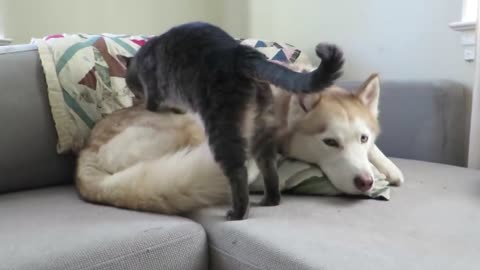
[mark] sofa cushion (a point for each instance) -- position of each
(430, 223)
(53, 229)
(28, 157)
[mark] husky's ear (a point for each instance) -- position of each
(369, 93)
(308, 102)
(125, 60)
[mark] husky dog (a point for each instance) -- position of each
(199, 68)
(162, 162)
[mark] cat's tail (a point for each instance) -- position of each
(307, 82)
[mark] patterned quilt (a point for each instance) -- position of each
(85, 78)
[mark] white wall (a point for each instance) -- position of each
(235, 17)
(2, 18)
(474, 147)
(406, 39)
(37, 18)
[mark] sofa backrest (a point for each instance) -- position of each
(28, 157)
(420, 120)
(423, 120)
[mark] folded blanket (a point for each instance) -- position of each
(277, 51)
(85, 80)
(300, 178)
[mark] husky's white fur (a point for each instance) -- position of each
(161, 162)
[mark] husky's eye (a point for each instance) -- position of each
(331, 142)
(364, 138)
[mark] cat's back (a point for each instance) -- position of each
(188, 40)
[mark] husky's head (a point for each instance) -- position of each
(335, 130)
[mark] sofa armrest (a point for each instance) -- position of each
(423, 120)
(28, 156)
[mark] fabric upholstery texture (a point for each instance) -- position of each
(28, 157)
(430, 223)
(53, 229)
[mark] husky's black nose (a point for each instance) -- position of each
(363, 182)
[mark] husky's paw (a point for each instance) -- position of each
(394, 175)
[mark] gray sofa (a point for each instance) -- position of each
(432, 222)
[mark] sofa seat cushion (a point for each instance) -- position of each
(432, 222)
(53, 229)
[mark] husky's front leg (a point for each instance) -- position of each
(385, 166)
